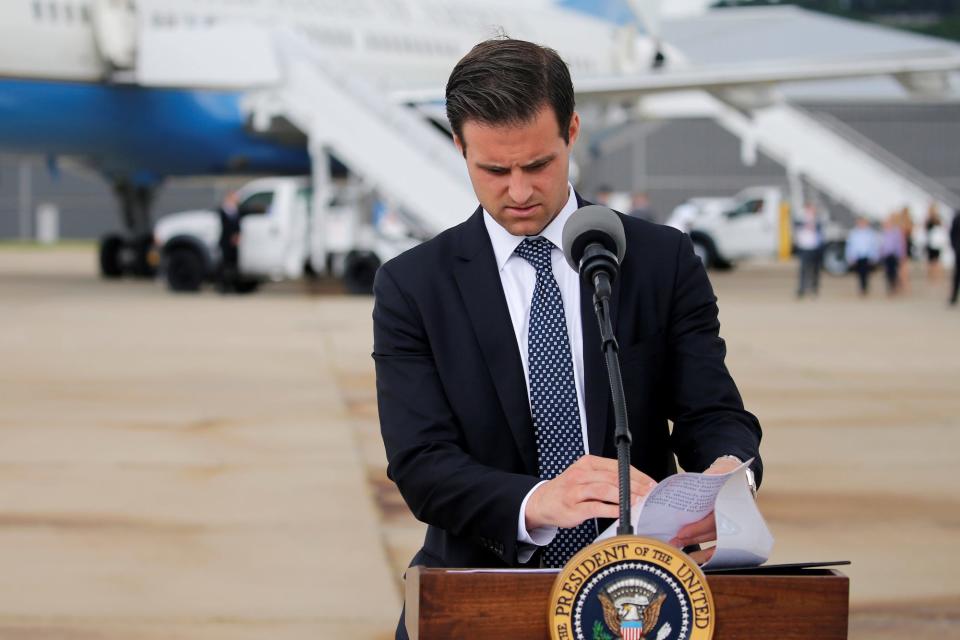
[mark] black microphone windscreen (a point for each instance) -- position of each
(593, 223)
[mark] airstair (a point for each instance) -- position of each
(836, 160)
(405, 158)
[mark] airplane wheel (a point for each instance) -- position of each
(184, 269)
(141, 267)
(110, 248)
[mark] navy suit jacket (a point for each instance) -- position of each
(452, 396)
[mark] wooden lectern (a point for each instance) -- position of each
(483, 603)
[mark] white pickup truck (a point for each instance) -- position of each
(280, 238)
(754, 223)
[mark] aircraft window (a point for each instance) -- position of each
(52, 11)
(257, 204)
(164, 20)
(68, 12)
(37, 10)
(84, 13)
(332, 37)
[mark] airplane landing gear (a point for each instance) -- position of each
(121, 256)
(130, 254)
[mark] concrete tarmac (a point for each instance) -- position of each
(206, 467)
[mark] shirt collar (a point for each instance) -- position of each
(504, 242)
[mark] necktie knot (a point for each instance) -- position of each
(537, 252)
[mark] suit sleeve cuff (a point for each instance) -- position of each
(539, 537)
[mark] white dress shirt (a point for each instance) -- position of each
(519, 278)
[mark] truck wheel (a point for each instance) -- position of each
(705, 250)
(835, 259)
(110, 248)
(246, 286)
(184, 269)
(359, 270)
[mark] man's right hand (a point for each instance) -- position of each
(586, 489)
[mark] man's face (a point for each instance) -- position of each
(520, 172)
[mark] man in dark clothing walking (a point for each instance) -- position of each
(229, 244)
(955, 243)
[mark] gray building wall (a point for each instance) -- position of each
(673, 161)
(925, 136)
(676, 160)
(88, 208)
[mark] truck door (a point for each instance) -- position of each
(262, 235)
(298, 238)
(747, 231)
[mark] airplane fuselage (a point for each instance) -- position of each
(60, 61)
(151, 132)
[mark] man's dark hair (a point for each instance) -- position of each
(507, 82)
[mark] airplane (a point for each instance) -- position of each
(142, 90)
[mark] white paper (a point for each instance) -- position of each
(743, 539)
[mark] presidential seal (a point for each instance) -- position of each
(631, 588)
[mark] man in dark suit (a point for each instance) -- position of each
(466, 351)
(955, 244)
(229, 241)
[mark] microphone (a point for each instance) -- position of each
(594, 244)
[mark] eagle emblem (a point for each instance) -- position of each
(631, 608)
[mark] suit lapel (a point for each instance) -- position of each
(476, 274)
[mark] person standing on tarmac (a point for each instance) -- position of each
(809, 240)
(893, 252)
(862, 252)
(936, 241)
(955, 243)
(229, 244)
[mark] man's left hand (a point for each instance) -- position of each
(704, 530)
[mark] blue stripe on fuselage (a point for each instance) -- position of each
(615, 11)
(124, 130)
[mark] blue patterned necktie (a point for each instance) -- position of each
(553, 391)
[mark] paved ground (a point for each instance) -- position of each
(205, 467)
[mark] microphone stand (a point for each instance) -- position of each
(601, 304)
